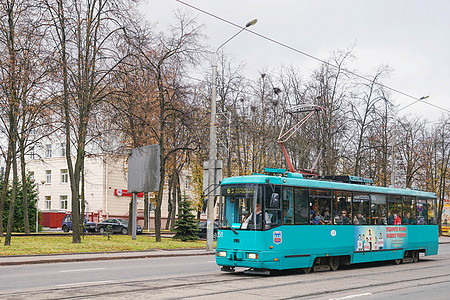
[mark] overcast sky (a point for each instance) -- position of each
(411, 36)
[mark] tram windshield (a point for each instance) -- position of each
(249, 207)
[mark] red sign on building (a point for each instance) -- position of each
(124, 193)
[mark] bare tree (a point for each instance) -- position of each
(411, 136)
(165, 58)
(11, 91)
(329, 89)
(85, 35)
(364, 107)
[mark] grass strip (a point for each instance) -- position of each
(33, 245)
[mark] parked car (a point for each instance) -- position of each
(116, 225)
(202, 229)
(66, 224)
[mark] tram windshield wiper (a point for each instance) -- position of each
(234, 230)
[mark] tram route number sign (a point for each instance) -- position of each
(240, 191)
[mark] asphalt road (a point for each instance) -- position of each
(198, 277)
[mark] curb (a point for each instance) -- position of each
(59, 260)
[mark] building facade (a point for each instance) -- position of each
(105, 190)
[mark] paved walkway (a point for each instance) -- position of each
(69, 257)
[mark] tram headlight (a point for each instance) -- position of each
(221, 253)
(252, 256)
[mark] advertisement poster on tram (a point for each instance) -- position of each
(446, 213)
(446, 217)
(376, 238)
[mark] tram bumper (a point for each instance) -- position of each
(250, 259)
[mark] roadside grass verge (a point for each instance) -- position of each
(32, 245)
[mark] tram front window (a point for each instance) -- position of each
(242, 207)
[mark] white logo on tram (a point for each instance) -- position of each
(333, 232)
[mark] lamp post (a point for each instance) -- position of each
(212, 162)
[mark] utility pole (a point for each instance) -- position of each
(213, 164)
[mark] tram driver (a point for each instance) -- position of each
(250, 218)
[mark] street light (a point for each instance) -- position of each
(212, 163)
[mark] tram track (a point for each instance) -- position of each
(328, 292)
(241, 284)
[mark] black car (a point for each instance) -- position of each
(66, 224)
(202, 229)
(116, 226)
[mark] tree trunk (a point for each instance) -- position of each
(130, 217)
(14, 190)
(162, 170)
(175, 205)
(171, 196)
(12, 114)
(5, 184)
(26, 222)
(83, 201)
(146, 225)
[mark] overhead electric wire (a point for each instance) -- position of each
(309, 55)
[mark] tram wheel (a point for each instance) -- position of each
(307, 270)
(415, 256)
(334, 263)
(397, 261)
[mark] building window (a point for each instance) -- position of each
(48, 202)
(64, 176)
(31, 174)
(48, 151)
(32, 153)
(188, 182)
(63, 202)
(63, 149)
(48, 176)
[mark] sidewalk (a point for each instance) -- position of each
(444, 239)
(70, 257)
(76, 257)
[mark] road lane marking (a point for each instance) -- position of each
(86, 283)
(352, 296)
(82, 270)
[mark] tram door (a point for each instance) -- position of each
(301, 206)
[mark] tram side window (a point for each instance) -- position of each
(378, 208)
(421, 210)
(287, 205)
(342, 208)
(273, 206)
(431, 208)
(409, 210)
(394, 210)
(301, 196)
(320, 207)
(361, 209)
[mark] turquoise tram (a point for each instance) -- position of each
(285, 220)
